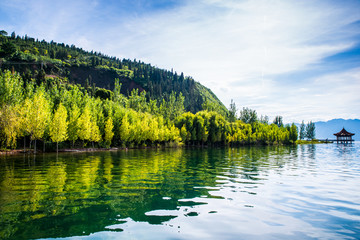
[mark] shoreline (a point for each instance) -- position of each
(66, 150)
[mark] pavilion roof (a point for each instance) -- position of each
(343, 132)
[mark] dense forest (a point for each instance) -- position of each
(40, 59)
(41, 101)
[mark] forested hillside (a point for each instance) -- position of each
(93, 70)
(49, 99)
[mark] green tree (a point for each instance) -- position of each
(264, 119)
(293, 133)
(118, 97)
(36, 115)
(11, 88)
(232, 111)
(84, 124)
(310, 130)
(124, 130)
(10, 124)
(8, 50)
(95, 135)
(201, 130)
(209, 105)
(73, 127)
(3, 33)
(58, 126)
(278, 120)
(302, 133)
(248, 115)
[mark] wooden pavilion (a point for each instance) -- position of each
(344, 136)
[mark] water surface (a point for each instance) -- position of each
(297, 192)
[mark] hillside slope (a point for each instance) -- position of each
(40, 59)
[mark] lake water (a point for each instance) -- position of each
(296, 192)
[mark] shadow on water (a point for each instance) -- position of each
(51, 196)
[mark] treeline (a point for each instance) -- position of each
(57, 112)
(307, 131)
(62, 60)
(209, 127)
(62, 112)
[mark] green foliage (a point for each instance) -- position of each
(63, 94)
(211, 128)
(10, 123)
(73, 126)
(100, 70)
(84, 124)
(80, 116)
(293, 132)
(248, 115)
(8, 49)
(109, 134)
(36, 114)
(172, 107)
(278, 121)
(3, 33)
(302, 133)
(58, 125)
(103, 93)
(310, 130)
(11, 88)
(232, 111)
(264, 119)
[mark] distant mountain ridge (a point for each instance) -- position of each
(326, 130)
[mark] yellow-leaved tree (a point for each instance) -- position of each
(84, 124)
(109, 134)
(36, 115)
(59, 125)
(73, 127)
(10, 123)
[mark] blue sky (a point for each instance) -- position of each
(298, 59)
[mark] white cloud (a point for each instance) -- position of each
(325, 97)
(222, 42)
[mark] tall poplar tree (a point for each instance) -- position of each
(232, 111)
(10, 123)
(36, 115)
(302, 132)
(310, 130)
(84, 124)
(73, 127)
(109, 134)
(58, 126)
(248, 115)
(278, 121)
(95, 135)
